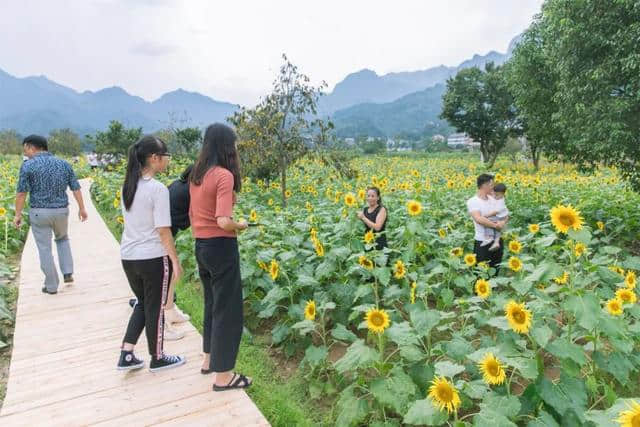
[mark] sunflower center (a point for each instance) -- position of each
(493, 368)
(566, 220)
(377, 319)
(444, 393)
(518, 316)
(635, 421)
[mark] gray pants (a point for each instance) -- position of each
(44, 223)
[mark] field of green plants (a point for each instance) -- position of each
(422, 334)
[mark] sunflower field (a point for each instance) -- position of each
(421, 333)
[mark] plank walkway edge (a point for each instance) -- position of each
(62, 372)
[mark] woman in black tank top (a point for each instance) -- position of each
(374, 216)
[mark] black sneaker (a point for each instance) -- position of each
(128, 361)
(133, 302)
(47, 291)
(166, 362)
(68, 278)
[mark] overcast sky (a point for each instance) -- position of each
(231, 50)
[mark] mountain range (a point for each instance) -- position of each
(363, 104)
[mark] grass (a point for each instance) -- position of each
(8, 292)
(280, 394)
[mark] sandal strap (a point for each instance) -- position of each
(231, 382)
(241, 379)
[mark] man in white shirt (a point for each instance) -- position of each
(479, 207)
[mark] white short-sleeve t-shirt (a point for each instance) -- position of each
(149, 211)
(485, 207)
(499, 206)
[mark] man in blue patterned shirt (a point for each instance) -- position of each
(46, 178)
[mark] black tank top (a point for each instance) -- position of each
(381, 240)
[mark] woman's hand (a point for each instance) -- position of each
(360, 215)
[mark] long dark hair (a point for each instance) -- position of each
(137, 160)
(218, 149)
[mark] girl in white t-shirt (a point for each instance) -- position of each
(499, 213)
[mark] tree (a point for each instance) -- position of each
(116, 140)
(283, 127)
(65, 142)
(480, 104)
(592, 46)
(10, 142)
(187, 140)
(533, 82)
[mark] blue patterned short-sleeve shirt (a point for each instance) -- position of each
(46, 178)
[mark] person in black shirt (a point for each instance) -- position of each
(374, 216)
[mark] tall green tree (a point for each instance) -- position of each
(116, 139)
(592, 45)
(187, 140)
(479, 103)
(283, 127)
(10, 142)
(65, 142)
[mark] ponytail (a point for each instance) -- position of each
(136, 161)
(134, 171)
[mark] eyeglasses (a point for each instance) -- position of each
(163, 154)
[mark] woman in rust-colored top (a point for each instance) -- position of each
(214, 180)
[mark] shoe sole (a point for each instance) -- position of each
(174, 365)
(131, 368)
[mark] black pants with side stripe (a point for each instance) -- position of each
(484, 254)
(219, 267)
(149, 280)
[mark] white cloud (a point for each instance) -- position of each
(232, 50)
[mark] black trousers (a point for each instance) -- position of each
(149, 281)
(219, 268)
(484, 254)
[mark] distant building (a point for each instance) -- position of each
(438, 138)
(461, 140)
(350, 141)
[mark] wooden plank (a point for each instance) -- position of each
(66, 346)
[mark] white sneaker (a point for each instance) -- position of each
(175, 315)
(495, 246)
(171, 334)
(486, 242)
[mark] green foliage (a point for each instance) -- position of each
(116, 140)
(65, 142)
(479, 103)
(10, 142)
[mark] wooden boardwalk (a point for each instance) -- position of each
(66, 346)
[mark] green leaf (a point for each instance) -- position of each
(583, 235)
(325, 269)
(521, 286)
(305, 326)
(632, 263)
(394, 392)
(423, 320)
(402, 334)
(499, 322)
(307, 281)
(280, 333)
(383, 274)
(423, 413)
(585, 308)
(340, 332)
(541, 334)
(608, 276)
(448, 369)
(315, 355)
(351, 410)
(543, 420)
(611, 250)
(527, 367)
(362, 291)
(509, 406)
(564, 349)
(458, 348)
(358, 356)
(569, 393)
(412, 353)
(607, 417)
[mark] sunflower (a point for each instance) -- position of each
(308, 206)
(412, 297)
(399, 269)
(630, 417)
(116, 203)
(562, 280)
(534, 228)
(456, 251)
(319, 248)
(444, 395)
(350, 200)
(287, 194)
(270, 202)
(617, 269)
(368, 236)
(515, 263)
(492, 370)
(414, 207)
(627, 296)
(263, 266)
(515, 246)
(120, 220)
(518, 316)
(365, 262)
(630, 279)
(361, 194)
(483, 265)
(483, 288)
(600, 225)
(310, 310)
(314, 233)
(442, 233)
(253, 216)
(579, 249)
(565, 217)
(274, 269)
(3, 212)
(614, 306)
(377, 320)
(470, 260)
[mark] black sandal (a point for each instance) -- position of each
(237, 382)
(206, 371)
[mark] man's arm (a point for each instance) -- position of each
(477, 217)
(82, 212)
(20, 199)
